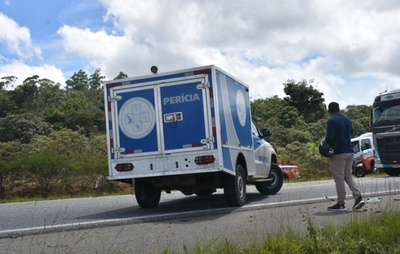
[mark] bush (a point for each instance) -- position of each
(313, 167)
(46, 168)
(65, 162)
(22, 127)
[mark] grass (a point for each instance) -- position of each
(33, 193)
(377, 234)
(16, 199)
(361, 236)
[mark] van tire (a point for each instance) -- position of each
(359, 172)
(274, 186)
(235, 187)
(146, 195)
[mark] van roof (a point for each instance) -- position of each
(365, 135)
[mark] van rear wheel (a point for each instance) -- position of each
(235, 187)
(146, 195)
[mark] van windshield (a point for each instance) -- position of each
(356, 146)
(254, 130)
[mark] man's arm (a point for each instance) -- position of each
(330, 132)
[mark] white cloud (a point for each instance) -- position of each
(108, 52)
(340, 44)
(19, 53)
(23, 71)
(16, 39)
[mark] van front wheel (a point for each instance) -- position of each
(274, 185)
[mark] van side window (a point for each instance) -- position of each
(356, 147)
(365, 144)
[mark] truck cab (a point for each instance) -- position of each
(385, 125)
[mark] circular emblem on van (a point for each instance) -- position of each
(241, 107)
(137, 118)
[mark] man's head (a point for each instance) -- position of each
(333, 108)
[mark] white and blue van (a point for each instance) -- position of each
(188, 130)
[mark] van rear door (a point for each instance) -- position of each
(185, 121)
(164, 117)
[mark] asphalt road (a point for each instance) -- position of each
(118, 224)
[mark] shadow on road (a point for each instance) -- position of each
(184, 204)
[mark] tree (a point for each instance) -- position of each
(36, 95)
(49, 95)
(24, 95)
(121, 75)
(78, 111)
(7, 81)
(357, 111)
(265, 113)
(95, 92)
(318, 130)
(360, 115)
(288, 116)
(22, 127)
(306, 99)
(7, 105)
(78, 81)
(96, 80)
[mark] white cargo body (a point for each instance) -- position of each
(188, 130)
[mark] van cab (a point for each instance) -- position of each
(361, 143)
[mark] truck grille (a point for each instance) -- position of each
(389, 149)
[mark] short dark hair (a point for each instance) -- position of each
(333, 107)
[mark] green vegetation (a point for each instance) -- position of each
(53, 141)
(377, 234)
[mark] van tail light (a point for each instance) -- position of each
(206, 159)
(124, 167)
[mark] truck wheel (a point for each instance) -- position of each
(235, 187)
(392, 172)
(271, 187)
(146, 195)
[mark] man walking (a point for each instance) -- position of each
(339, 131)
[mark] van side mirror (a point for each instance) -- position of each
(266, 133)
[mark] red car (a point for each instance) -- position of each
(290, 172)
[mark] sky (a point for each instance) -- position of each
(348, 50)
